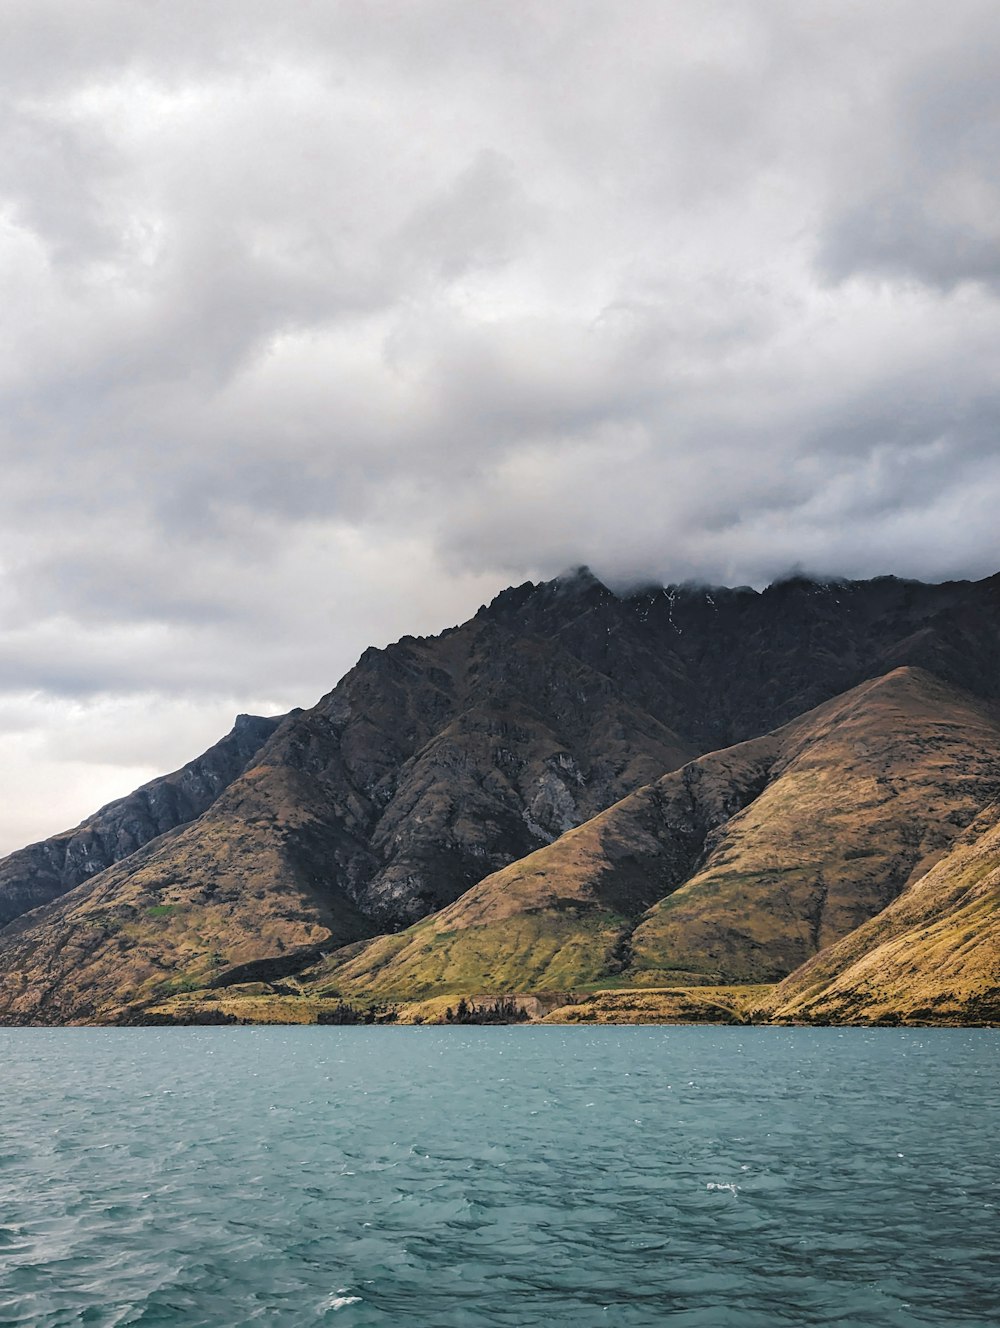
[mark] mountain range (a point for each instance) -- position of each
(792, 792)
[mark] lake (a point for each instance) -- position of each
(693, 1177)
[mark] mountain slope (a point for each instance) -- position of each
(561, 916)
(869, 790)
(39, 873)
(443, 759)
(736, 868)
(143, 929)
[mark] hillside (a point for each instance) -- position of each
(736, 868)
(41, 872)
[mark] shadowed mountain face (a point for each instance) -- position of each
(438, 762)
(736, 868)
(721, 666)
(41, 872)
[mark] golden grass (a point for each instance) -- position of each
(932, 956)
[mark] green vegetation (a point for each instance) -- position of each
(500, 1010)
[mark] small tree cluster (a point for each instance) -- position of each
(344, 1013)
(501, 1010)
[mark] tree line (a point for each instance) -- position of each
(345, 1013)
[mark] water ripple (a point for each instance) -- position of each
(694, 1177)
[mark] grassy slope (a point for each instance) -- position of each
(766, 852)
(560, 916)
(932, 956)
(259, 1003)
(670, 1005)
(869, 791)
(842, 808)
(189, 907)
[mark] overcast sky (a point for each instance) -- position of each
(322, 322)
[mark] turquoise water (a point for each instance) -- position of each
(694, 1177)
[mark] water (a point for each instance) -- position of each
(420, 1178)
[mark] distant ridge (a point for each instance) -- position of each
(39, 873)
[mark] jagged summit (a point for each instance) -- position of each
(574, 583)
(581, 581)
(578, 578)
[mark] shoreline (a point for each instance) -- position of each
(261, 1005)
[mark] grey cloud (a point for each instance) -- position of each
(323, 322)
(475, 222)
(928, 203)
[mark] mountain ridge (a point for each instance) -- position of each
(40, 872)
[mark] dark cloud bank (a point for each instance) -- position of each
(324, 322)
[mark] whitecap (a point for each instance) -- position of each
(337, 1300)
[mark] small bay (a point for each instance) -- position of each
(696, 1177)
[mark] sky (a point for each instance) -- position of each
(322, 323)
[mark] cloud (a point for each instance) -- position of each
(324, 322)
(927, 204)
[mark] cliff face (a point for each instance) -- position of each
(438, 762)
(41, 872)
(721, 665)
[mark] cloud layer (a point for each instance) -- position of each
(324, 323)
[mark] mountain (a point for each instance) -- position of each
(438, 762)
(215, 901)
(736, 868)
